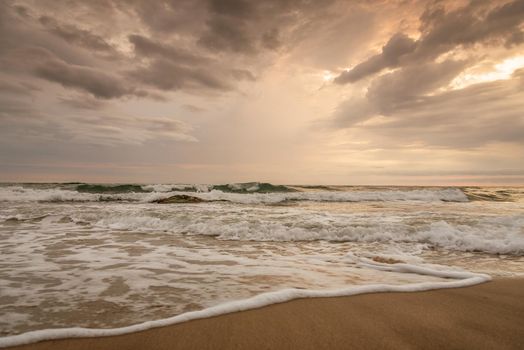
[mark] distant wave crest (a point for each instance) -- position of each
(249, 193)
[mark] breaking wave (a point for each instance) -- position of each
(247, 193)
(494, 235)
(493, 194)
(87, 188)
(250, 193)
(426, 195)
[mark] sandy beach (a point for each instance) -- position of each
(486, 316)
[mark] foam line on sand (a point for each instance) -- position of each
(461, 279)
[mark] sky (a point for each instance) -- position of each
(284, 91)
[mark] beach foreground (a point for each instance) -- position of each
(486, 316)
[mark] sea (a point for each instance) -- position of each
(110, 256)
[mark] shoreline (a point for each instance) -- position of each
(487, 315)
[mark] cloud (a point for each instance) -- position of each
(193, 108)
(83, 102)
(76, 36)
(166, 17)
(14, 108)
(78, 77)
(442, 32)
(225, 34)
(99, 83)
(398, 46)
(233, 8)
(35, 42)
(473, 23)
(165, 75)
(126, 129)
(17, 87)
(475, 116)
(21, 123)
(146, 47)
(271, 39)
(171, 68)
(413, 106)
(390, 92)
(168, 48)
(243, 74)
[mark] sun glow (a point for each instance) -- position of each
(327, 75)
(502, 70)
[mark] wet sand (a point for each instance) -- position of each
(486, 316)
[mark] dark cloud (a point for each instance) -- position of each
(38, 55)
(406, 85)
(77, 36)
(145, 47)
(413, 104)
(250, 27)
(225, 34)
(45, 65)
(166, 75)
(171, 68)
(398, 46)
(77, 77)
(474, 23)
(193, 46)
(100, 84)
(271, 40)
(54, 49)
(83, 102)
(443, 31)
(233, 8)
(166, 17)
(477, 115)
(389, 92)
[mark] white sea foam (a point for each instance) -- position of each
(463, 279)
(426, 195)
(56, 194)
(498, 235)
(176, 187)
(76, 257)
(24, 194)
(28, 194)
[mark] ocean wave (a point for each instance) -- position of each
(426, 195)
(127, 188)
(494, 235)
(242, 195)
(58, 195)
(252, 187)
(252, 193)
(494, 194)
(242, 188)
